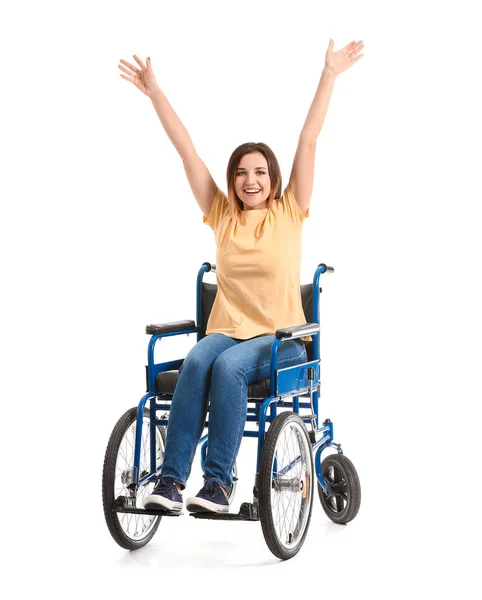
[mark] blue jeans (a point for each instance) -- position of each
(217, 370)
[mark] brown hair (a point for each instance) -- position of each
(235, 204)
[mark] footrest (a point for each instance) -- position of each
(149, 511)
(124, 504)
(247, 512)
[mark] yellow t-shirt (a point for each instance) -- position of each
(258, 280)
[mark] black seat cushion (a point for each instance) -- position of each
(167, 380)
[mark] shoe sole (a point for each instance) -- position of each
(159, 503)
(201, 505)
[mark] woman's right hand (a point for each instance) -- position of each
(142, 78)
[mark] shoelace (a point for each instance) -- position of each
(211, 487)
(163, 485)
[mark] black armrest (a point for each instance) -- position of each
(169, 327)
(297, 331)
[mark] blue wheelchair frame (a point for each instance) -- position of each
(287, 382)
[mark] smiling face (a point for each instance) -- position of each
(252, 173)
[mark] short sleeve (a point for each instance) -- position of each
(293, 207)
(219, 209)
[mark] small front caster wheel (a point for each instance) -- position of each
(342, 501)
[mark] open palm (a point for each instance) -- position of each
(339, 61)
(143, 78)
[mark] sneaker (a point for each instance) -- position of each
(210, 498)
(164, 496)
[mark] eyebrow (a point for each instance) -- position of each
(243, 169)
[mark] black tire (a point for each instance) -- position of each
(343, 502)
(119, 524)
(285, 539)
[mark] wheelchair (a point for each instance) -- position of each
(284, 409)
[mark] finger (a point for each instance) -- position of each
(138, 60)
(128, 78)
(134, 68)
(348, 48)
(355, 50)
(125, 70)
(354, 60)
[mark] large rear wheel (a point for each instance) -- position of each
(131, 531)
(286, 485)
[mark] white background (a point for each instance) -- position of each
(101, 235)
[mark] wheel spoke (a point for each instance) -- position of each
(290, 510)
(136, 526)
(340, 505)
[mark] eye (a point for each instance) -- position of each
(242, 172)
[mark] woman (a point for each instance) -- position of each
(258, 236)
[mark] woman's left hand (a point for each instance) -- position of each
(339, 61)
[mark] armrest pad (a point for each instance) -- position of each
(168, 327)
(296, 331)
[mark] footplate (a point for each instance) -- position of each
(247, 512)
(123, 504)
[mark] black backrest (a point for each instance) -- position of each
(209, 291)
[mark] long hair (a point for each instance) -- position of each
(235, 204)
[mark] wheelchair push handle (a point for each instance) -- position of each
(327, 269)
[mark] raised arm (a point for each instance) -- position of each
(199, 177)
(302, 173)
